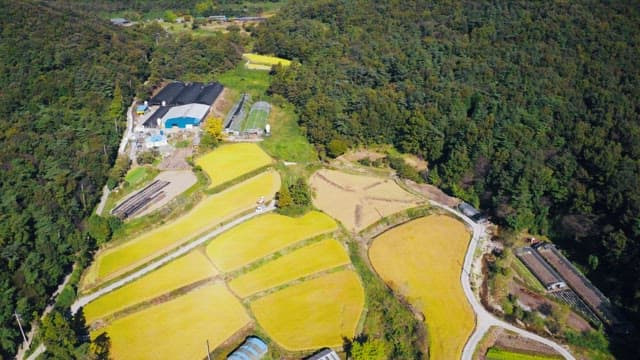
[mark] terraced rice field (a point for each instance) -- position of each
(314, 314)
(181, 272)
(205, 216)
(308, 260)
(422, 260)
(358, 200)
(230, 161)
(263, 62)
(178, 329)
(265, 235)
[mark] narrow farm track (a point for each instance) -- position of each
(484, 319)
(165, 259)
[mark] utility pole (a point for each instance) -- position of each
(208, 352)
(20, 326)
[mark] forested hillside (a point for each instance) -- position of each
(529, 109)
(66, 78)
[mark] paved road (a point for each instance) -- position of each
(171, 256)
(129, 131)
(484, 319)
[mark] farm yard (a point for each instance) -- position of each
(263, 62)
(422, 261)
(358, 201)
(228, 162)
(314, 314)
(210, 313)
(183, 271)
(265, 235)
(306, 261)
(206, 215)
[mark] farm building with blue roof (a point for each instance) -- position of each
(252, 349)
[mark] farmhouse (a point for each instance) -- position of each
(540, 269)
(325, 354)
(185, 116)
(578, 282)
(252, 349)
(182, 105)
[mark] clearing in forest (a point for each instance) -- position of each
(180, 328)
(358, 200)
(314, 314)
(181, 272)
(228, 162)
(422, 260)
(205, 216)
(263, 62)
(299, 263)
(264, 235)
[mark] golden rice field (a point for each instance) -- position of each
(314, 314)
(358, 201)
(422, 259)
(228, 162)
(183, 271)
(264, 235)
(206, 215)
(306, 261)
(178, 329)
(255, 59)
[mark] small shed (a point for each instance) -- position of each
(324, 354)
(142, 109)
(156, 140)
(252, 349)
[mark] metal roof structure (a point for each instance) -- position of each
(195, 111)
(167, 94)
(325, 354)
(188, 94)
(152, 121)
(209, 94)
(252, 349)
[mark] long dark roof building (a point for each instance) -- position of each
(167, 94)
(209, 94)
(188, 95)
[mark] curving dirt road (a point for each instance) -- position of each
(484, 319)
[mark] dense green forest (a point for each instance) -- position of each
(66, 79)
(528, 109)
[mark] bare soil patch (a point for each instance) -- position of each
(359, 200)
(433, 193)
(505, 339)
(177, 160)
(179, 181)
(222, 104)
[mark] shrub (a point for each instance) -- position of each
(336, 147)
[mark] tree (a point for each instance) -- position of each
(284, 197)
(336, 147)
(372, 349)
(99, 229)
(300, 193)
(213, 127)
(170, 16)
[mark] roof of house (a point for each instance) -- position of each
(209, 94)
(252, 349)
(196, 111)
(325, 354)
(188, 94)
(152, 121)
(167, 94)
(468, 210)
(142, 107)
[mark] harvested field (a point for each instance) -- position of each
(205, 216)
(264, 235)
(314, 314)
(422, 260)
(208, 313)
(308, 260)
(358, 200)
(231, 161)
(181, 272)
